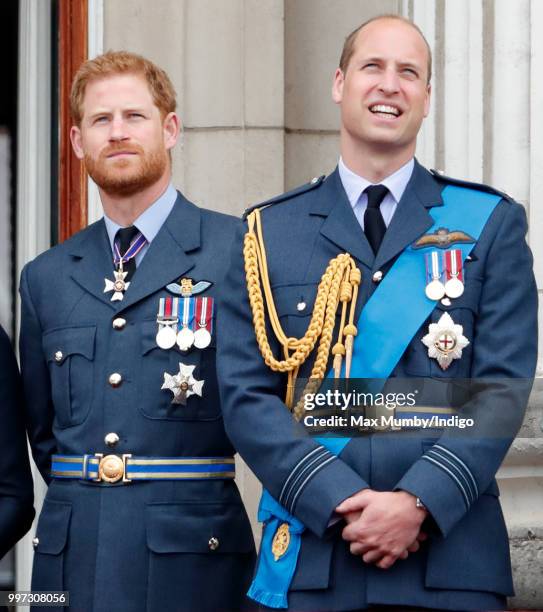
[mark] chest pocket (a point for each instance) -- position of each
(294, 304)
(69, 353)
(463, 311)
(155, 402)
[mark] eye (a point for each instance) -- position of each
(370, 66)
(136, 116)
(100, 119)
(410, 72)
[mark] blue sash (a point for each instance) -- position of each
(374, 357)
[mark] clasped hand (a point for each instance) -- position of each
(382, 527)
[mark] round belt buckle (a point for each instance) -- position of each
(111, 468)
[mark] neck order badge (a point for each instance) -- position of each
(121, 283)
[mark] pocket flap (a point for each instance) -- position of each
(53, 527)
(198, 528)
(313, 566)
(58, 344)
(289, 299)
(469, 298)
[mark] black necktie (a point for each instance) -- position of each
(374, 224)
(123, 238)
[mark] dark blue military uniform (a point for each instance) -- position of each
(150, 545)
(16, 494)
(465, 564)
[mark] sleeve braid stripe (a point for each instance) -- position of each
(309, 477)
(293, 473)
(303, 471)
(446, 469)
(456, 470)
(466, 468)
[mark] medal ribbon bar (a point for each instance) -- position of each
(135, 247)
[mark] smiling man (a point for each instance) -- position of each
(117, 343)
(382, 271)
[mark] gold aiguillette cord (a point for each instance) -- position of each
(338, 284)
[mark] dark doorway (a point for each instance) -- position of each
(8, 160)
(9, 37)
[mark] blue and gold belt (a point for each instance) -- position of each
(98, 467)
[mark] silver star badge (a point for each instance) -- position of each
(118, 286)
(445, 341)
(183, 384)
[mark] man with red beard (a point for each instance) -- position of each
(118, 344)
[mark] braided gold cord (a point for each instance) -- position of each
(338, 284)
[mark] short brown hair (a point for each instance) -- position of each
(348, 46)
(122, 62)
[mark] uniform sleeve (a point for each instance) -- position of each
(36, 382)
(302, 475)
(16, 490)
(451, 475)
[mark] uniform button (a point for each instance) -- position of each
(446, 302)
(35, 542)
(377, 277)
(111, 439)
(119, 323)
(213, 543)
(115, 379)
(314, 180)
(301, 306)
(58, 356)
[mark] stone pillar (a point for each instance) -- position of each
(488, 59)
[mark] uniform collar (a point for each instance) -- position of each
(151, 220)
(354, 184)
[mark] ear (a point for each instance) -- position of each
(170, 127)
(427, 101)
(75, 138)
(337, 86)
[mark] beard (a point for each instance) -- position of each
(125, 177)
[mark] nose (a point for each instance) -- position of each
(390, 83)
(118, 129)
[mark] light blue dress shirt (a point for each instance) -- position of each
(354, 186)
(149, 222)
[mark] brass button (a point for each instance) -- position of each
(377, 277)
(115, 379)
(213, 543)
(119, 323)
(35, 542)
(58, 356)
(301, 306)
(314, 180)
(111, 439)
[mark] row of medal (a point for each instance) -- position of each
(186, 321)
(444, 274)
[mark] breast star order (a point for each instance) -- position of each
(118, 286)
(445, 341)
(183, 384)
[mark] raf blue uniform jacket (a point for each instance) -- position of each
(466, 563)
(16, 491)
(142, 545)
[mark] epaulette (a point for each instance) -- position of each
(313, 184)
(441, 176)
